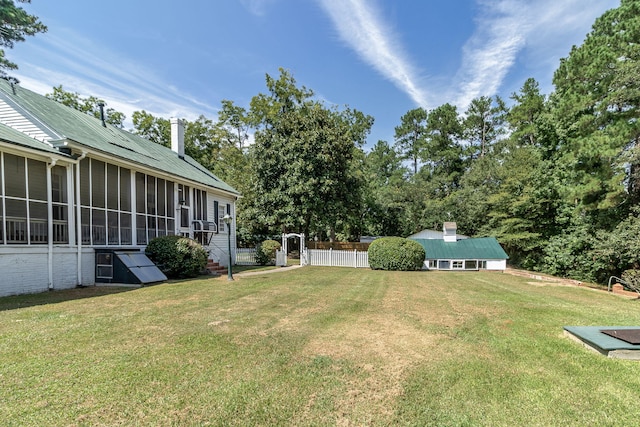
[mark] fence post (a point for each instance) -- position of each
(330, 257)
(355, 258)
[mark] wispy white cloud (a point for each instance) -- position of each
(539, 31)
(491, 51)
(127, 86)
(506, 31)
(359, 25)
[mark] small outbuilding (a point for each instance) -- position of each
(447, 251)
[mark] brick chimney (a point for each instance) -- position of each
(177, 136)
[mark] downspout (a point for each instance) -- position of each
(78, 218)
(50, 166)
(235, 230)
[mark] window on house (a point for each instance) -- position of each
(183, 199)
(98, 227)
(154, 208)
(113, 175)
(113, 230)
(200, 205)
(24, 218)
(105, 198)
(433, 263)
(124, 207)
(97, 184)
(85, 221)
(222, 227)
(15, 167)
(161, 198)
(200, 213)
(125, 189)
(37, 180)
(443, 264)
(470, 264)
(482, 265)
(59, 200)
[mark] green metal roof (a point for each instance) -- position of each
(13, 136)
(87, 131)
(478, 248)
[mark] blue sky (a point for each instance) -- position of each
(384, 58)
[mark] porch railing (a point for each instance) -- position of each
(38, 230)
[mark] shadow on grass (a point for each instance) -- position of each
(52, 297)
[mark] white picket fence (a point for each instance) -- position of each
(331, 258)
(318, 257)
(246, 256)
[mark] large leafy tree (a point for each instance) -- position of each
(303, 160)
(155, 129)
(90, 105)
(410, 136)
(15, 25)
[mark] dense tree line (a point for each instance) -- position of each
(555, 178)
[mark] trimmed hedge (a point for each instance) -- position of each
(266, 252)
(177, 257)
(396, 253)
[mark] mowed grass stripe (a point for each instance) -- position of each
(315, 346)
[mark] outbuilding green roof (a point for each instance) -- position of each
(81, 129)
(478, 248)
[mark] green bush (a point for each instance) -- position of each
(632, 277)
(396, 253)
(266, 252)
(177, 257)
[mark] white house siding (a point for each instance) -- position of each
(88, 272)
(497, 264)
(65, 267)
(12, 118)
(65, 270)
(25, 269)
(218, 248)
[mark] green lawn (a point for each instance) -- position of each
(316, 346)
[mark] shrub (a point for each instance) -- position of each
(177, 256)
(632, 277)
(396, 253)
(266, 252)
